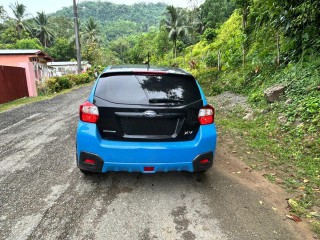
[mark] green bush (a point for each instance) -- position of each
(42, 89)
(56, 84)
(209, 34)
(53, 85)
(64, 82)
(256, 97)
(82, 78)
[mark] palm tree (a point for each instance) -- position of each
(91, 33)
(199, 21)
(19, 12)
(3, 13)
(175, 25)
(42, 31)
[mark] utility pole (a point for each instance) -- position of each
(76, 32)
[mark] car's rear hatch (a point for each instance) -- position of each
(148, 106)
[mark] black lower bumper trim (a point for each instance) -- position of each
(199, 167)
(97, 167)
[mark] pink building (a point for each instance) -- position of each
(34, 61)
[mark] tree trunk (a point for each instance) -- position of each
(278, 49)
(19, 32)
(76, 32)
(243, 55)
(219, 60)
(175, 50)
(244, 29)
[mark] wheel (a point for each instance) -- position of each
(200, 176)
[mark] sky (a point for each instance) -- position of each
(49, 6)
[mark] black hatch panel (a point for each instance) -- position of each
(147, 107)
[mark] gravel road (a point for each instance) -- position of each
(44, 196)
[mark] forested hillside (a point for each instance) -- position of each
(106, 12)
(118, 20)
(100, 23)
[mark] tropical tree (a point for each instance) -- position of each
(42, 30)
(215, 12)
(195, 23)
(61, 26)
(61, 50)
(175, 24)
(28, 44)
(121, 46)
(244, 6)
(19, 12)
(91, 33)
(3, 13)
(8, 34)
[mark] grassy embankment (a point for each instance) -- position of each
(287, 132)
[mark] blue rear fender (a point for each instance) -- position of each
(133, 156)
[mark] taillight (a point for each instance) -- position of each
(89, 112)
(90, 161)
(206, 115)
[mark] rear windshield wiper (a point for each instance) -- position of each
(165, 100)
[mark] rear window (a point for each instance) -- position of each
(148, 89)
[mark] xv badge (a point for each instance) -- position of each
(188, 132)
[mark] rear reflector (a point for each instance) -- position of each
(148, 169)
(89, 112)
(204, 161)
(206, 115)
(90, 161)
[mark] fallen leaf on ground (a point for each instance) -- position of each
(247, 168)
(294, 218)
(305, 180)
(279, 181)
(313, 214)
(293, 203)
(274, 209)
(260, 202)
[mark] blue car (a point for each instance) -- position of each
(145, 119)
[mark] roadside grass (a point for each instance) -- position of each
(26, 100)
(290, 159)
(316, 227)
(21, 101)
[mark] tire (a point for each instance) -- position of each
(200, 176)
(87, 173)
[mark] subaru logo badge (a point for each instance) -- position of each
(149, 113)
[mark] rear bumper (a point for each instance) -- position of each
(135, 156)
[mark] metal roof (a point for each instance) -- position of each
(19, 51)
(25, 52)
(65, 63)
